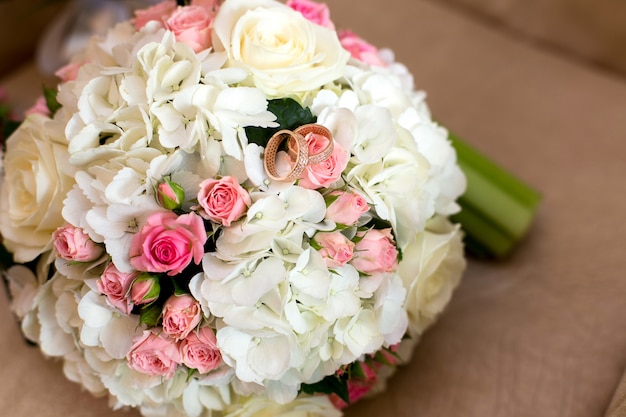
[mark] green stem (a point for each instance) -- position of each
(497, 208)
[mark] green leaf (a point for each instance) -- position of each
(150, 315)
(289, 115)
(50, 94)
(332, 384)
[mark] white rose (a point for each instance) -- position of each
(318, 406)
(431, 269)
(37, 178)
(284, 53)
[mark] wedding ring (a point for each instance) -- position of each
(300, 155)
(297, 149)
(322, 131)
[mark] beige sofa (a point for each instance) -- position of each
(538, 86)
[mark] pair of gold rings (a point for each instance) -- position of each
(297, 149)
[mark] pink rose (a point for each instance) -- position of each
(69, 72)
(326, 172)
(336, 249)
(317, 13)
(360, 49)
(159, 12)
(145, 289)
(181, 314)
(375, 252)
(154, 354)
(210, 5)
(347, 208)
(192, 25)
(168, 243)
(199, 351)
(358, 387)
(73, 244)
(115, 285)
(40, 107)
(223, 201)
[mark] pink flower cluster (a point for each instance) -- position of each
(319, 14)
(178, 342)
(374, 250)
(358, 387)
(191, 24)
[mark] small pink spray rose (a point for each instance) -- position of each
(115, 285)
(154, 354)
(192, 25)
(326, 172)
(181, 314)
(159, 12)
(375, 252)
(317, 13)
(73, 244)
(199, 351)
(335, 248)
(145, 289)
(168, 243)
(223, 201)
(360, 49)
(347, 208)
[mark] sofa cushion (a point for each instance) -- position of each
(592, 30)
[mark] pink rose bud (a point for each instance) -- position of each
(181, 314)
(154, 354)
(115, 285)
(326, 172)
(317, 13)
(358, 387)
(335, 248)
(73, 244)
(40, 107)
(347, 208)
(170, 195)
(223, 201)
(192, 25)
(159, 12)
(168, 243)
(375, 252)
(69, 72)
(199, 351)
(145, 289)
(360, 49)
(210, 5)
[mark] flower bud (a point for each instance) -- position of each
(145, 289)
(170, 195)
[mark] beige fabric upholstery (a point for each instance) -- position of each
(591, 30)
(539, 334)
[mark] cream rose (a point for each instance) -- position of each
(37, 179)
(284, 53)
(318, 406)
(431, 269)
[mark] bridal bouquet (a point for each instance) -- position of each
(230, 208)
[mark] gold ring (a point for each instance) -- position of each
(316, 129)
(301, 155)
(297, 149)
